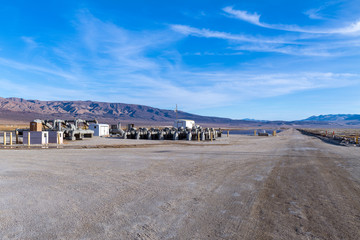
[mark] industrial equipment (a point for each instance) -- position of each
(76, 129)
(194, 132)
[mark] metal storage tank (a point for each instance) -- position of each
(99, 129)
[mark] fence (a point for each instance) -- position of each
(9, 138)
(30, 138)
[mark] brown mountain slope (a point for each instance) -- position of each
(21, 110)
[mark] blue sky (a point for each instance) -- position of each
(240, 59)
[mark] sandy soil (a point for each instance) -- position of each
(286, 187)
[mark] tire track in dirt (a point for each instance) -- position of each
(307, 197)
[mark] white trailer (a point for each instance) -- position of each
(99, 129)
(184, 123)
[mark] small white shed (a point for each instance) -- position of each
(184, 123)
(99, 129)
(36, 137)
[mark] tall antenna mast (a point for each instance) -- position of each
(176, 110)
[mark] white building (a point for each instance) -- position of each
(184, 123)
(99, 129)
(36, 137)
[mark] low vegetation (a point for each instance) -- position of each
(12, 127)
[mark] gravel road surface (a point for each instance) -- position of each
(287, 187)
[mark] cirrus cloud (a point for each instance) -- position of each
(254, 18)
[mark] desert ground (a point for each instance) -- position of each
(290, 186)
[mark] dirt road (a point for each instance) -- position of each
(286, 187)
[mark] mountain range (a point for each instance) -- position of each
(335, 118)
(19, 110)
(22, 110)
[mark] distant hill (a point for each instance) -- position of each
(345, 119)
(22, 110)
(19, 110)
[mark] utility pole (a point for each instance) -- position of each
(176, 111)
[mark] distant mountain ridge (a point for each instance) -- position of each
(22, 110)
(27, 110)
(334, 117)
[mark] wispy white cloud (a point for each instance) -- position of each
(115, 48)
(311, 50)
(288, 50)
(254, 18)
(248, 86)
(194, 15)
(303, 45)
(314, 13)
(31, 43)
(188, 30)
(144, 67)
(319, 13)
(301, 42)
(34, 68)
(210, 89)
(9, 88)
(126, 59)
